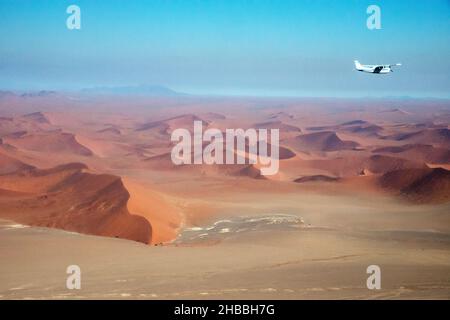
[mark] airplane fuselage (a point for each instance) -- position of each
(380, 68)
(375, 69)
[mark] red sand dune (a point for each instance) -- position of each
(249, 171)
(315, 178)
(16, 134)
(283, 127)
(320, 141)
(33, 122)
(439, 136)
(360, 127)
(68, 198)
(166, 126)
(110, 130)
(281, 116)
(381, 164)
(359, 165)
(10, 165)
(396, 111)
(11, 125)
(355, 122)
(420, 152)
(284, 153)
(166, 218)
(53, 141)
(163, 162)
(286, 130)
(212, 116)
(368, 130)
(157, 126)
(38, 117)
(419, 185)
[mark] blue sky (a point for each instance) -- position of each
(239, 47)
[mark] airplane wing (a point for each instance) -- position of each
(395, 65)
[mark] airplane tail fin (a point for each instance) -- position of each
(358, 65)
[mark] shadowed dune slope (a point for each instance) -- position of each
(320, 141)
(164, 162)
(283, 127)
(383, 164)
(357, 165)
(53, 141)
(10, 165)
(440, 136)
(368, 130)
(38, 117)
(168, 125)
(66, 197)
(426, 153)
(316, 178)
(359, 127)
(419, 185)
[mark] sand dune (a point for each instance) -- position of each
(164, 162)
(102, 147)
(371, 130)
(320, 141)
(285, 129)
(284, 153)
(10, 165)
(351, 166)
(439, 136)
(166, 218)
(421, 152)
(359, 127)
(53, 141)
(419, 185)
(166, 126)
(281, 116)
(212, 116)
(38, 117)
(67, 198)
(382, 164)
(354, 122)
(316, 178)
(110, 130)
(396, 111)
(10, 126)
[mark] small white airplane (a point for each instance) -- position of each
(380, 68)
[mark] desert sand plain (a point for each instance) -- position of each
(88, 180)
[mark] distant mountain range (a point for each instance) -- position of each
(141, 90)
(42, 93)
(145, 90)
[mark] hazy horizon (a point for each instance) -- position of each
(178, 93)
